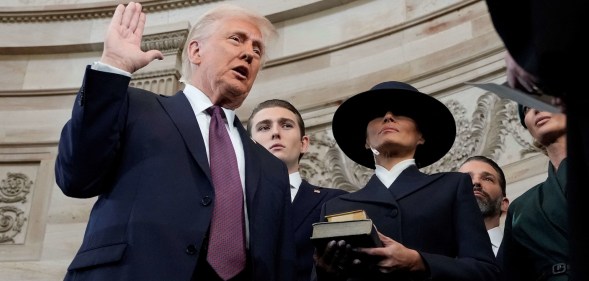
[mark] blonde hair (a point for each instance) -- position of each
(204, 27)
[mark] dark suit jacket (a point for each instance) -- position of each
(306, 211)
(144, 156)
(537, 231)
(437, 215)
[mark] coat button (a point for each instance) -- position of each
(394, 212)
(205, 201)
(81, 98)
(190, 250)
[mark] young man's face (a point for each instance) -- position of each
(276, 129)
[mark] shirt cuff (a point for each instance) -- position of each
(99, 66)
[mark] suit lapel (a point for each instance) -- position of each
(373, 192)
(305, 202)
(411, 180)
(252, 167)
(179, 110)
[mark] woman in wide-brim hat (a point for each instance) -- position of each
(434, 122)
(430, 225)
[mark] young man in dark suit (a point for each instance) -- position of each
(430, 225)
(146, 157)
(279, 127)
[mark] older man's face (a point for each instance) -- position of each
(228, 61)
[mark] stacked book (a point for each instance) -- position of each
(354, 227)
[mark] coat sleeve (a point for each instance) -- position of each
(90, 140)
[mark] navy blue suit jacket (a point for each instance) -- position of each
(306, 211)
(436, 215)
(144, 156)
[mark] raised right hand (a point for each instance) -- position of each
(122, 45)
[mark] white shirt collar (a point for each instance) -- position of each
(388, 177)
(295, 183)
(295, 179)
(496, 235)
(200, 102)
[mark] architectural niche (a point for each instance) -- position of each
(482, 133)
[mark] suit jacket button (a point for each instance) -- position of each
(190, 250)
(81, 98)
(206, 201)
(394, 212)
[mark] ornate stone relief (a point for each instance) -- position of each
(14, 192)
(482, 133)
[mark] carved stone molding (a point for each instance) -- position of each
(161, 82)
(169, 43)
(370, 36)
(84, 12)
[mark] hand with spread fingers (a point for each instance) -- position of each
(122, 45)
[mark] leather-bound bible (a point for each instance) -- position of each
(354, 227)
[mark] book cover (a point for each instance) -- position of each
(353, 227)
(347, 216)
(537, 101)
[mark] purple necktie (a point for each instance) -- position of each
(226, 253)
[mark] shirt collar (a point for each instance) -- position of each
(200, 102)
(295, 179)
(388, 177)
(496, 235)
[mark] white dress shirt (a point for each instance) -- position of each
(496, 235)
(295, 183)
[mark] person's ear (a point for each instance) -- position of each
(305, 141)
(194, 52)
(504, 205)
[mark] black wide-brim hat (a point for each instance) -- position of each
(434, 120)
